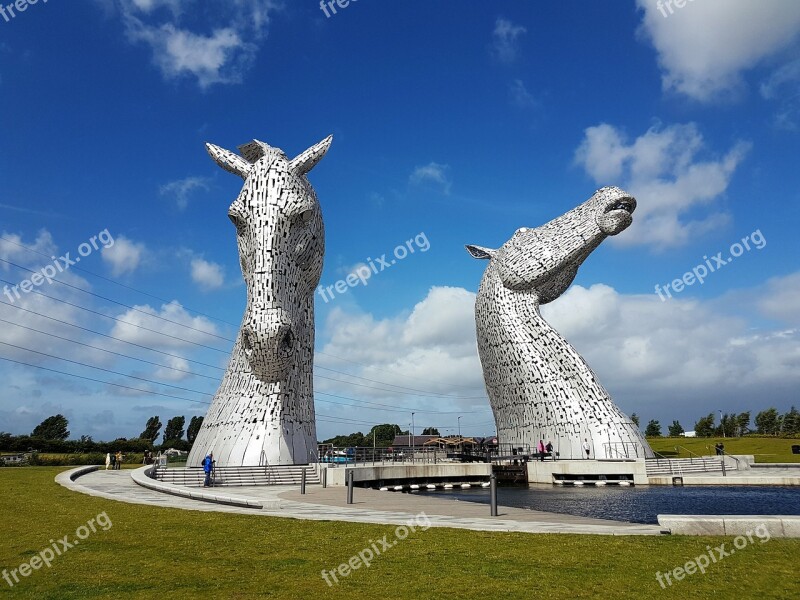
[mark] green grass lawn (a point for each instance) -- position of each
(765, 449)
(152, 552)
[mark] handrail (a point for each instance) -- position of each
(732, 456)
(690, 452)
(612, 449)
(670, 462)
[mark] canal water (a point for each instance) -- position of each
(641, 504)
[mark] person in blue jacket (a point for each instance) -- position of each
(208, 464)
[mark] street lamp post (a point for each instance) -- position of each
(413, 438)
(459, 426)
(721, 424)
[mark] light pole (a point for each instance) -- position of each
(413, 438)
(459, 426)
(721, 424)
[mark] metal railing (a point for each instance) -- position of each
(671, 463)
(691, 454)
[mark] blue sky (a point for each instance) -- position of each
(453, 123)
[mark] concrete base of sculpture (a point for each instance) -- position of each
(549, 471)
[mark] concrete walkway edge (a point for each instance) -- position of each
(764, 526)
(141, 477)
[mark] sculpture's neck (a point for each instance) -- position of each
(521, 313)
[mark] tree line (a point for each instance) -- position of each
(51, 435)
(767, 422)
(380, 436)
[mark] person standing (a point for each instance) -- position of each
(549, 449)
(113, 461)
(586, 447)
(119, 460)
(541, 450)
(208, 465)
(108, 460)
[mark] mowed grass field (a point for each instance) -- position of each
(765, 449)
(157, 553)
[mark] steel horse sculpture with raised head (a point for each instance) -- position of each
(539, 387)
(263, 412)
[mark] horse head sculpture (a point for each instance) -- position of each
(264, 411)
(539, 387)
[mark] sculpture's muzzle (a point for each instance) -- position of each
(615, 213)
(269, 343)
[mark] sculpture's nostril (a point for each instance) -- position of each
(247, 342)
(287, 344)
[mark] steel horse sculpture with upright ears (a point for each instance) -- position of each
(539, 387)
(263, 412)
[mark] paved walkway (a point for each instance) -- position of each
(370, 506)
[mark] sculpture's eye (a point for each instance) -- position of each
(305, 217)
(237, 221)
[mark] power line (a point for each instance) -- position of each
(393, 409)
(38, 314)
(94, 312)
(382, 407)
(120, 320)
(126, 387)
(75, 362)
(115, 282)
(85, 291)
(208, 333)
(109, 351)
(387, 370)
(426, 392)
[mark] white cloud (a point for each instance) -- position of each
(222, 55)
(505, 42)
(177, 371)
(432, 349)
(781, 299)
(678, 359)
(181, 189)
(148, 6)
(705, 47)
(662, 169)
(677, 353)
(432, 173)
(124, 256)
(14, 249)
(207, 275)
(178, 324)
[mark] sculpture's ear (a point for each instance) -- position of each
(305, 161)
(480, 251)
(229, 161)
